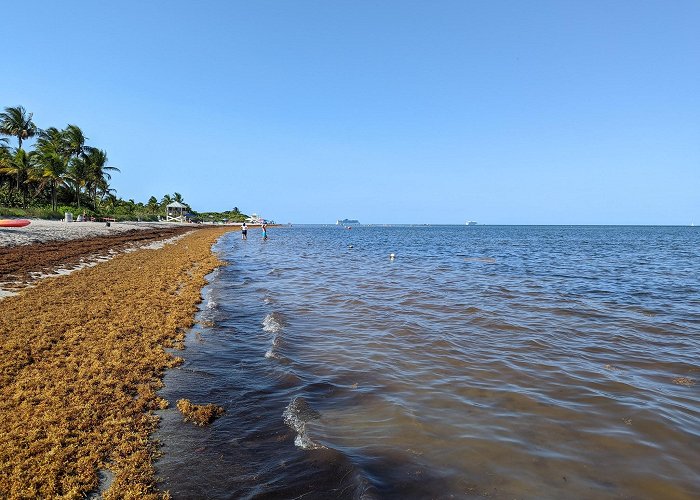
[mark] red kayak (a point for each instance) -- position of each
(14, 222)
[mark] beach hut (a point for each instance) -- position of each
(175, 212)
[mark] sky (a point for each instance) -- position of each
(433, 111)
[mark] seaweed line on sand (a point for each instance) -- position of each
(82, 358)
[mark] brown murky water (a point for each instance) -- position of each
(508, 362)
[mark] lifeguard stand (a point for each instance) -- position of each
(175, 212)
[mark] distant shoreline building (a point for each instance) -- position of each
(255, 219)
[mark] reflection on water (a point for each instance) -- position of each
(509, 362)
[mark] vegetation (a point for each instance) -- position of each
(82, 362)
(234, 215)
(61, 173)
(199, 414)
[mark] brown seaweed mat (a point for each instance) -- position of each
(17, 263)
(81, 357)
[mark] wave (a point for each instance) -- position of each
(274, 322)
(210, 303)
(297, 414)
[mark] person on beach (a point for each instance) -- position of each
(244, 231)
(264, 228)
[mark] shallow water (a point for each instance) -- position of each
(500, 361)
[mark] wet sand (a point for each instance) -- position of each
(82, 359)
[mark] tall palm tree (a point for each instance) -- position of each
(74, 143)
(79, 171)
(18, 123)
(5, 158)
(75, 140)
(97, 170)
(152, 204)
(16, 165)
(52, 162)
(19, 165)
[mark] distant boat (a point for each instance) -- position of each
(471, 223)
(346, 222)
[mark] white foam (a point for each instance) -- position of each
(210, 302)
(272, 323)
(296, 415)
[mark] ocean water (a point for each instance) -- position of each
(482, 361)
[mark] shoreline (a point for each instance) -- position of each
(83, 357)
(45, 231)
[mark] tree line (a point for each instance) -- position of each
(62, 169)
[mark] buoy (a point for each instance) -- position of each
(392, 256)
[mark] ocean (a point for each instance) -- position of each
(480, 361)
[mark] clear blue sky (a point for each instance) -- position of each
(551, 112)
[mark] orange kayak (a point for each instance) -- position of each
(14, 222)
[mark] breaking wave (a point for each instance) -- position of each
(296, 416)
(273, 322)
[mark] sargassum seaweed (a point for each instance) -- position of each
(81, 359)
(199, 414)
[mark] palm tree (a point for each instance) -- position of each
(74, 143)
(52, 162)
(75, 140)
(152, 204)
(97, 169)
(107, 194)
(17, 165)
(20, 165)
(18, 123)
(5, 158)
(79, 171)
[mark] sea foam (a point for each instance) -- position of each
(296, 416)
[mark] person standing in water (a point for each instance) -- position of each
(244, 231)
(264, 228)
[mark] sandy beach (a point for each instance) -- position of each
(83, 354)
(49, 248)
(42, 231)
